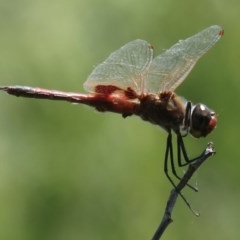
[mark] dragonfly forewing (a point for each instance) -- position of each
(124, 68)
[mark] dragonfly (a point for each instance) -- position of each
(132, 82)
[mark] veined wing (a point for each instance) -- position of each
(124, 68)
(170, 68)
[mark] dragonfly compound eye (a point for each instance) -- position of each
(203, 120)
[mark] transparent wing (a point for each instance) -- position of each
(126, 67)
(170, 68)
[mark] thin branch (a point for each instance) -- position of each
(166, 220)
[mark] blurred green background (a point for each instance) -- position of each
(68, 172)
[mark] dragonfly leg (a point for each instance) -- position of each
(169, 154)
(181, 150)
(169, 151)
(187, 120)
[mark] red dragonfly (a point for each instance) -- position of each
(131, 82)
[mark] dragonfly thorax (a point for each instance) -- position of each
(165, 110)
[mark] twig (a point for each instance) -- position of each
(166, 220)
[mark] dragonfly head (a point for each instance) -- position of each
(203, 120)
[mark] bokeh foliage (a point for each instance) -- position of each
(67, 172)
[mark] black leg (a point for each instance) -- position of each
(169, 150)
(187, 120)
(169, 153)
(181, 150)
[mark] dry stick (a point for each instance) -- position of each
(166, 220)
